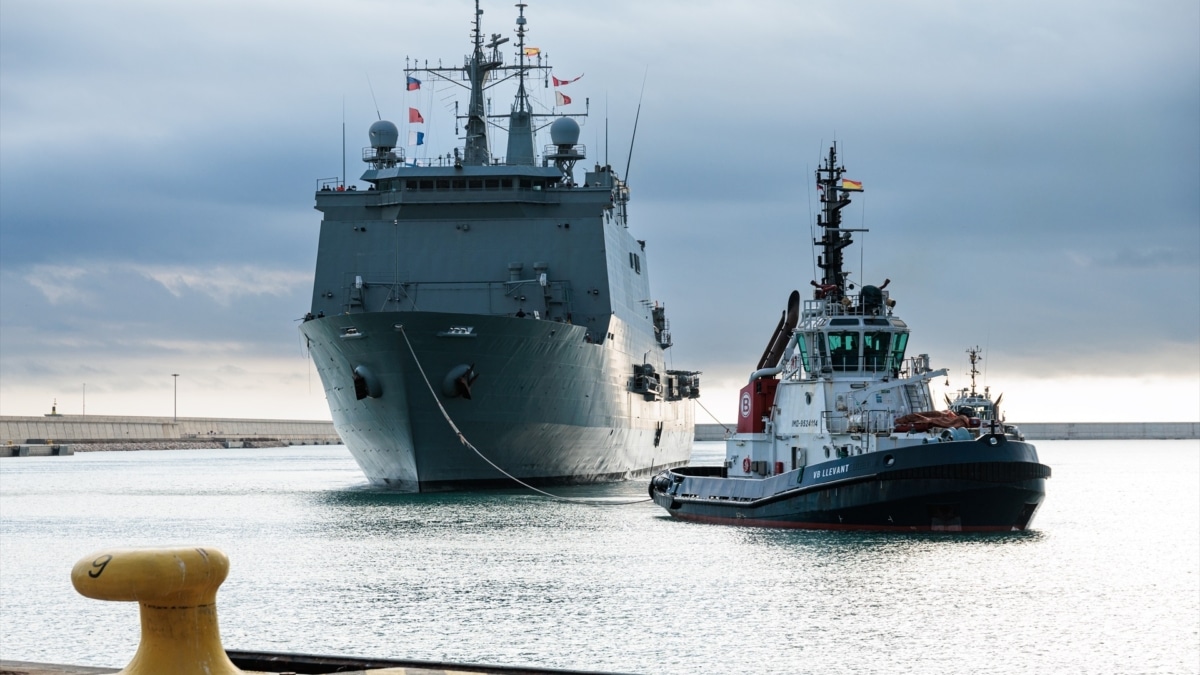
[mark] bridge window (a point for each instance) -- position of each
(898, 345)
(843, 351)
(821, 356)
(802, 345)
(875, 351)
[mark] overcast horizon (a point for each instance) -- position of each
(1031, 175)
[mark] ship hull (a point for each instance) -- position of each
(966, 486)
(545, 405)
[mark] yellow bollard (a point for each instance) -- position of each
(177, 591)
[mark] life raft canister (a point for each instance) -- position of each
(746, 465)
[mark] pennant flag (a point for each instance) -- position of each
(851, 185)
(559, 83)
(416, 138)
(414, 116)
(562, 98)
(413, 83)
(532, 51)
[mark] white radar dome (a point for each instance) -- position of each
(564, 131)
(384, 134)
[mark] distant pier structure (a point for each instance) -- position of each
(68, 434)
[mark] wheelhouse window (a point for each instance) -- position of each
(843, 351)
(899, 342)
(875, 350)
(802, 345)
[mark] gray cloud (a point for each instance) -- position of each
(1032, 171)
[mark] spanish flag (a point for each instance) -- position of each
(532, 51)
(851, 185)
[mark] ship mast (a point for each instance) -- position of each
(973, 354)
(476, 150)
(520, 121)
(483, 68)
(834, 198)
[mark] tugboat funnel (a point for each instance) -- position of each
(779, 339)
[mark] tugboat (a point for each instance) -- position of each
(837, 428)
(502, 299)
(982, 412)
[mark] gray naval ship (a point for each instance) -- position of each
(478, 318)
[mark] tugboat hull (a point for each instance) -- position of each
(923, 489)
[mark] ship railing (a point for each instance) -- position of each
(848, 304)
(334, 184)
(382, 158)
(870, 421)
(527, 298)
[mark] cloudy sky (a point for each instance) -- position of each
(1032, 175)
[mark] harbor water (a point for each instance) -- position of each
(1107, 580)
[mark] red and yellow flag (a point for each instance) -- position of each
(851, 185)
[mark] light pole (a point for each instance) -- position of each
(176, 414)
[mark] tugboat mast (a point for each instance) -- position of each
(834, 198)
(973, 354)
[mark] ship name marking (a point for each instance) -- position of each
(831, 471)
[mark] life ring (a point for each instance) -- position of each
(746, 465)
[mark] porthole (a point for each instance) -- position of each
(889, 460)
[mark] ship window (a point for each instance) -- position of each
(877, 322)
(491, 184)
(635, 261)
(821, 354)
(843, 351)
(425, 185)
(459, 184)
(875, 350)
(443, 184)
(526, 183)
(802, 345)
(506, 183)
(843, 322)
(475, 184)
(898, 345)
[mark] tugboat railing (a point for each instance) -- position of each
(875, 422)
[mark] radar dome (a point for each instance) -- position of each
(564, 131)
(384, 134)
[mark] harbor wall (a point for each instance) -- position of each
(79, 429)
(1054, 431)
(82, 429)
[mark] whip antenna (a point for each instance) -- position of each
(629, 159)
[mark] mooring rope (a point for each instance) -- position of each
(463, 439)
(727, 429)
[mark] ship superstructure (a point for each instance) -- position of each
(512, 285)
(837, 427)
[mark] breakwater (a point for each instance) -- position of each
(111, 432)
(97, 432)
